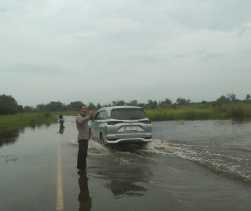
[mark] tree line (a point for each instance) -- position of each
(9, 105)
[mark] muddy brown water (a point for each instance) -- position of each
(198, 165)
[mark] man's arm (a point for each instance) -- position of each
(81, 120)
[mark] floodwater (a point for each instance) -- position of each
(190, 165)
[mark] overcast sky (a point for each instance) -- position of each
(96, 50)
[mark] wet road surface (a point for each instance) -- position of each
(175, 172)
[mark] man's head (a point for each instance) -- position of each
(83, 111)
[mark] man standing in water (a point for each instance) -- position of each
(83, 136)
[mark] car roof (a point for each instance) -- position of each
(109, 108)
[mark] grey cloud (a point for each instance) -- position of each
(31, 69)
(149, 49)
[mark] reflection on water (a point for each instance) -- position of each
(125, 179)
(84, 195)
(121, 187)
(125, 174)
(9, 136)
(61, 129)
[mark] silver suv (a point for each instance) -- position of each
(121, 124)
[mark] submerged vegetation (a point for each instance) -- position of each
(26, 119)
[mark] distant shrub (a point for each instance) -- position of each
(238, 113)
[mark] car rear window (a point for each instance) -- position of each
(127, 113)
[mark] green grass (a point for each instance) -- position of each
(238, 111)
(26, 119)
(208, 111)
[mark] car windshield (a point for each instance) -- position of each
(128, 113)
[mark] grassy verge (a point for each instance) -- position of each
(238, 111)
(26, 119)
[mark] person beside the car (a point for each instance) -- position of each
(83, 136)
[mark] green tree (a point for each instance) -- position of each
(133, 103)
(98, 106)
(182, 101)
(165, 103)
(118, 103)
(152, 104)
(56, 106)
(41, 107)
(75, 106)
(232, 97)
(248, 97)
(223, 99)
(8, 105)
(20, 108)
(28, 109)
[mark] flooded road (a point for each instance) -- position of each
(193, 166)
